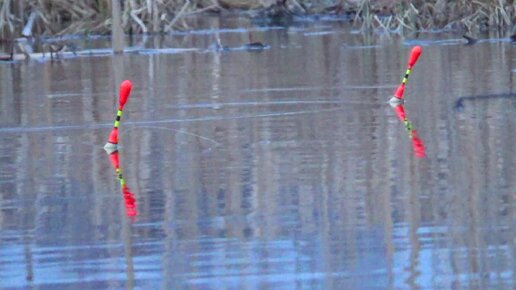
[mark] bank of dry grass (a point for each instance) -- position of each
(436, 14)
(58, 17)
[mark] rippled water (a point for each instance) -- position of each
(282, 168)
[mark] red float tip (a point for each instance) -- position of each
(114, 159)
(125, 90)
(113, 136)
(414, 55)
(399, 91)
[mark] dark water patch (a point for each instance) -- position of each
(454, 41)
(289, 20)
(226, 30)
(255, 46)
(427, 42)
(462, 102)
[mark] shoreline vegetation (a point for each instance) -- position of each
(54, 18)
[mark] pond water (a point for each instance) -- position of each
(278, 168)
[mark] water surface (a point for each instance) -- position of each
(282, 168)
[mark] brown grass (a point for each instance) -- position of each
(435, 14)
(58, 17)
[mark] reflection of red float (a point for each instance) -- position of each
(130, 202)
(417, 143)
(129, 199)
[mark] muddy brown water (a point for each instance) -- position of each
(282, 168)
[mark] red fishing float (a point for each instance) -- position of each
(125, 91)
(397, 100)
(414, 56)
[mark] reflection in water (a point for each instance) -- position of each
(131, 213)
(308, 187)
(129, 199)
(417, 144)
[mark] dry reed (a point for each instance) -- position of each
(417, 15)
(59, 17)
